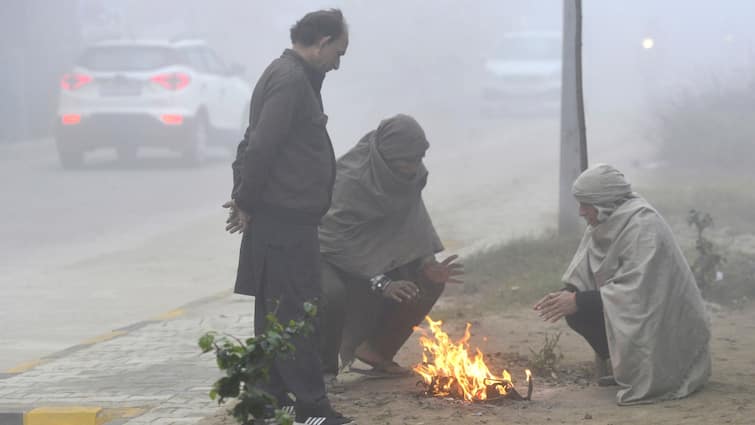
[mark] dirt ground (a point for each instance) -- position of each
(572, 398)
(507, 336)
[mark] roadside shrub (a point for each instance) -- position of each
(247, 363)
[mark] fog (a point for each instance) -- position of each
(110, 244)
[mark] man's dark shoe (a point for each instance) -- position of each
(321, 415)
(607, 381)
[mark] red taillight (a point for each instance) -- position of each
(172, 119)
(172, 81)
(74, 81)
(70, 119)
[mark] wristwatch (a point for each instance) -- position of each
(379, 283)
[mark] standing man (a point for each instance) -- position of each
(283, 181)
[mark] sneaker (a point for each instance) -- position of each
(320, 416)
(325, 420)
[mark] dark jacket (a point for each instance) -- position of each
(285, 166)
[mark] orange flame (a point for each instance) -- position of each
(448, 368)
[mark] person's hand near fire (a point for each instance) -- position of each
(447, 271)
(401, 291)
(556, 305)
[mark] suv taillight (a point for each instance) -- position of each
(74, 81)
(172, 81)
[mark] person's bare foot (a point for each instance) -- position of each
(367, 355)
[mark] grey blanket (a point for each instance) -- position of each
(378, 220)
(656, 323)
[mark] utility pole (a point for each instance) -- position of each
(573, 140)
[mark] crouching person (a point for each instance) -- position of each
(631, 294)
(378, 245)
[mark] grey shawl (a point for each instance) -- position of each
(657, 327)
(378, 220)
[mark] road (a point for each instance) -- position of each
(88, 251)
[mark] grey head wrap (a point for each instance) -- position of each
(604, 187)
(401, 137)
(378, 220)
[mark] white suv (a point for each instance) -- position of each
(125, 94)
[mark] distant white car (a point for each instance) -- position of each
(523, 73)
(127, 94)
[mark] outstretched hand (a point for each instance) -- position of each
(447, 271)
(556, 305)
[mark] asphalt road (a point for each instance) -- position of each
(83, 252)
(87, 251)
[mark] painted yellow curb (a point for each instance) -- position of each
(26, 366)
(73, 415)
(78, 415)
(171, 314)
(23, 367)
(104, 337)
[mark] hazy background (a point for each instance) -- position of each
(418, 56)
(83, 252)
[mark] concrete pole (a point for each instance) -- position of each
(573, 140)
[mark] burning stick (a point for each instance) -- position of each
(529, 384)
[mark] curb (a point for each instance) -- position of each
(86, 415)
(70, 415)
(178, 312)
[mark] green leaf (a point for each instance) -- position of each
(206, 341)
(229, 386)
(310, 309)
(227, 360)
(283, 418)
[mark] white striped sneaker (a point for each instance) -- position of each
(326, 416)
(325, 420)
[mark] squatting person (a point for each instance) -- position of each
(631, 294)
(378, 244)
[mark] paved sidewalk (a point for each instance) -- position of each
(153, 373)
(153, 370)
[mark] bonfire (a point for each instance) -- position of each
(451, 369)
